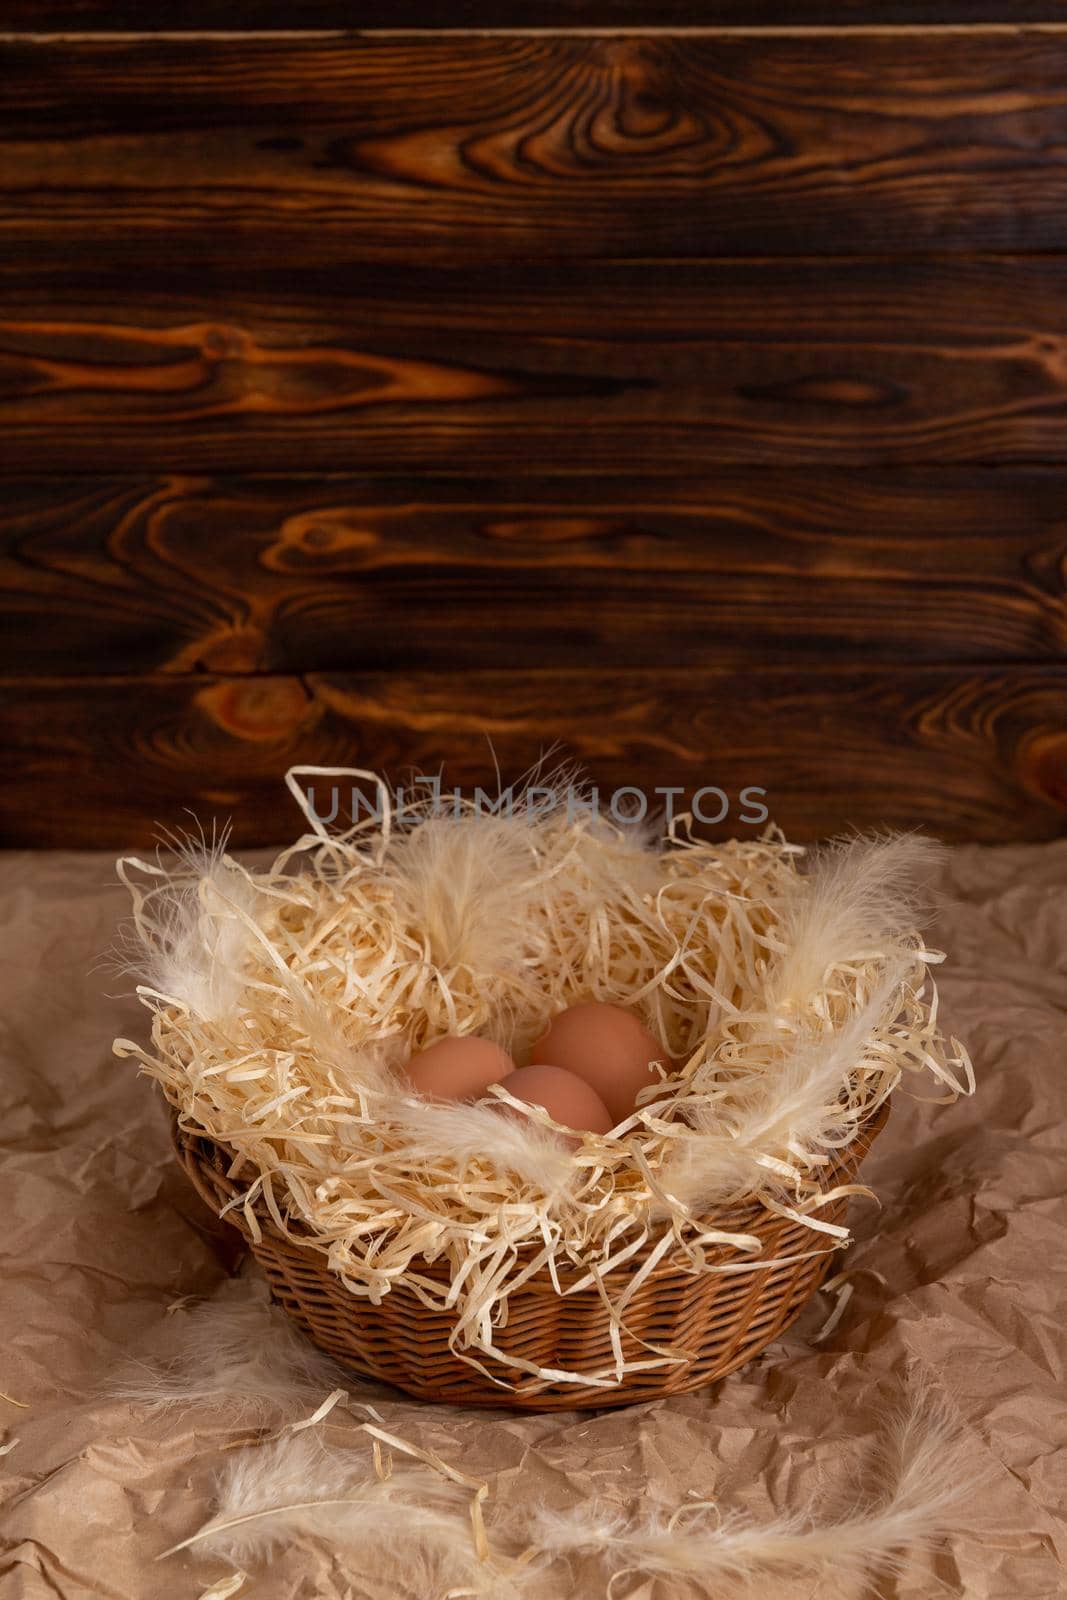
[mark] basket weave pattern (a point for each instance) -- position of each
(720, 1320)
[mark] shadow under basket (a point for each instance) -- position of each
(719, 1319)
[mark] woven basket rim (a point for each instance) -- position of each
(198, 1149)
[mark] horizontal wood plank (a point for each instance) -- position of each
(191, 16)
(290, 575)
(610, 367)
(105, 762)
(466, 148)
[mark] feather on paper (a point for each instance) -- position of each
(922, 1478)
(236, 1352)
(296, 1488)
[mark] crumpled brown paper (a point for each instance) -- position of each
(957, 1280)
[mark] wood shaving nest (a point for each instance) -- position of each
(791, 1003)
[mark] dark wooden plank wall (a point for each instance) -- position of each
(694, 399)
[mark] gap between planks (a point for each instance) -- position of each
(1052, 665)
(628, 31)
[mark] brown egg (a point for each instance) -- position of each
(608, 1047)
(567, 1098)
(458, 1069)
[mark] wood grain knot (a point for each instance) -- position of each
(641, 113)
(317, 538)
(1042, 766)
(261, 711)
(609, 107)
(232, 649)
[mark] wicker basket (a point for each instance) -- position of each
(722, 1319)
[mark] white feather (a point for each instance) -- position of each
(196, 925)
(236, 1351)
(860, 896)
(414, 1525)
(459, 882)
(797, 1106)
(857, 906)
(923, 1475)
(462, 1133)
